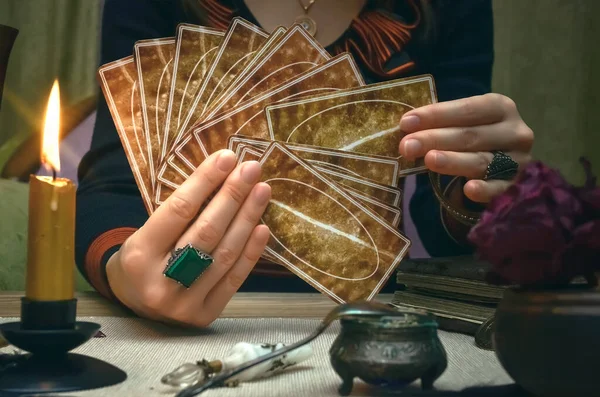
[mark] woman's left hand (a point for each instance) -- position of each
(458, 137)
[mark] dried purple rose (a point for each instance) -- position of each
(541, 231)
(589, 193)
(582, 256)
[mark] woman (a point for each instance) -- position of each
(123, 253)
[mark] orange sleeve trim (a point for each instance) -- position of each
(93, 258)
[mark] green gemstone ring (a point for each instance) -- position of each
(187, 264)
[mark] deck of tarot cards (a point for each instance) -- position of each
(327, 142)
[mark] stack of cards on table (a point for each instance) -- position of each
(327, 142)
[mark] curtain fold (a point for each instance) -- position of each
(57, 39)
(547, 61)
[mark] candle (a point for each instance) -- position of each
(51, 234)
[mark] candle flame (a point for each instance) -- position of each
(50, 154)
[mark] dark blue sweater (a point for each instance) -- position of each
(459, 55)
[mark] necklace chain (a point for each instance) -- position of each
(306, 21)
(307, 8)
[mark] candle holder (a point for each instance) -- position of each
(48, 331)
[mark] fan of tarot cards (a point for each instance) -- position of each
(327, 142)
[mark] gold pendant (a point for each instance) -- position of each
(308, 24)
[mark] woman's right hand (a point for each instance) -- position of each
(227, 229)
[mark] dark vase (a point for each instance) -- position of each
(549, 340)
(7, 39)
(390, 352)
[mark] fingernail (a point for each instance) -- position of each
(412, 148)
(263, 193)
(441, 160)
(226, 160)
(250, 171)
(410, 123)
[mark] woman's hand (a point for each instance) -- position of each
(457, 138)
(227, 229)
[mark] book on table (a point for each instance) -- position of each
(453, 289)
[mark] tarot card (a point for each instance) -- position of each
(388, 213)
(247, 153)
(235, 141)
(294, 54)
(175, 167)
(275, 36)
(382, 170)
(119, 84)
(363, 119)
(165, 191)
(195, 49)
(172, 172)
(170, 175)
(259, 55)
(154, 60)
(239, 45)
(249, 118)
(180, 166)
(322, 234)
(391, 214)
(387, 194)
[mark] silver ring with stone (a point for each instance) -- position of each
(502, 167)
(187, 264)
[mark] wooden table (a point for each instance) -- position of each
(243, 305)
(147, 350)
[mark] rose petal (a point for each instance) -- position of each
(530, 267)
(524, 232)
(591, 201)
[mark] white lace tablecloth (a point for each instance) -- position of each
(147, 350)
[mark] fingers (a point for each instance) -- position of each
(229, 249)
(467, 139)
(484, 191)
(206, 232)
(472, 165)
(477, 110)
(234, 257)
(220, 295)
(172, 218)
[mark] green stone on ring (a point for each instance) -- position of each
(187, 264)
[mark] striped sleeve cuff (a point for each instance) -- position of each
(98, 254)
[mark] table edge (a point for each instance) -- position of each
(242, 305)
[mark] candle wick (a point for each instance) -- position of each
(53, 173)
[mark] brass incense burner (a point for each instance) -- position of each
(378, 343)
(391, 351)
